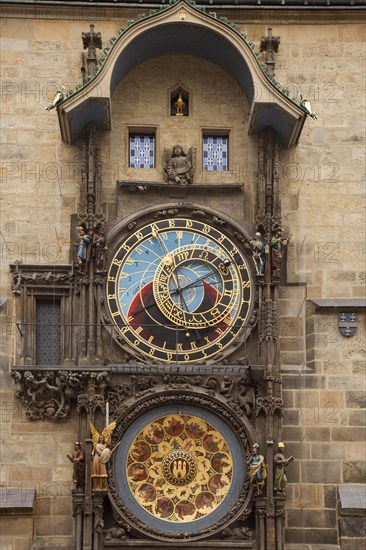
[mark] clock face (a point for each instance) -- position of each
(179, 290)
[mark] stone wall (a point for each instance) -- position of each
(322, 186)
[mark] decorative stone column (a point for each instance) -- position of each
(98, 521)
(78, 510)
(279, 515)
(260, 521)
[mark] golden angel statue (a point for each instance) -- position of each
(179, 167)
(100, 456)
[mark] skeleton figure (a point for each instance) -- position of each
(258, 253)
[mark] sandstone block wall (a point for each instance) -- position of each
(320, 56)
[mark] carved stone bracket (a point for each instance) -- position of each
(77, 503)
(98, 517)
(50, 393)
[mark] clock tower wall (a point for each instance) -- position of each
(217, 106)
(50, 186)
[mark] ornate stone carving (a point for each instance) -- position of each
(239, 391)
(246, 396)
(269, 406)
(268, 321)
(165, 213)
(261, 513)
(35, 275)
(237, 533)
(270, 45)
(98, 518)
(78, 509)
(49, 394)
(90, 213)
(91, 41)
(119, 531)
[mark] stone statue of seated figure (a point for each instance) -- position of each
(179, 167)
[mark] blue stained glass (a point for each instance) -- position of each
(142, 150)
(215, 153)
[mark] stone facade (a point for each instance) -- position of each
(322, 57)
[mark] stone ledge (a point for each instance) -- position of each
(339, 302)
(17, 500)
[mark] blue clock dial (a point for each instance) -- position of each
(179, 290)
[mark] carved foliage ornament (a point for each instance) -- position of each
(50, 394)
(269, 406)
(238, 390)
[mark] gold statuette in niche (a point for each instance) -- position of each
(179, 468)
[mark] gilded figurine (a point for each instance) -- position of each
(257, 469)
(179, 167)
(100, 455)
(179, 105)
(77, 457)
(280, 463)
(278, 243)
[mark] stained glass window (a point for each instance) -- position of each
(215, 153)
(142, 150)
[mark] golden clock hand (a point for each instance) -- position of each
(163, 248)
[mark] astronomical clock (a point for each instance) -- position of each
(180, 302)
(179, 290)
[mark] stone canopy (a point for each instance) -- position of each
(183, 28)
